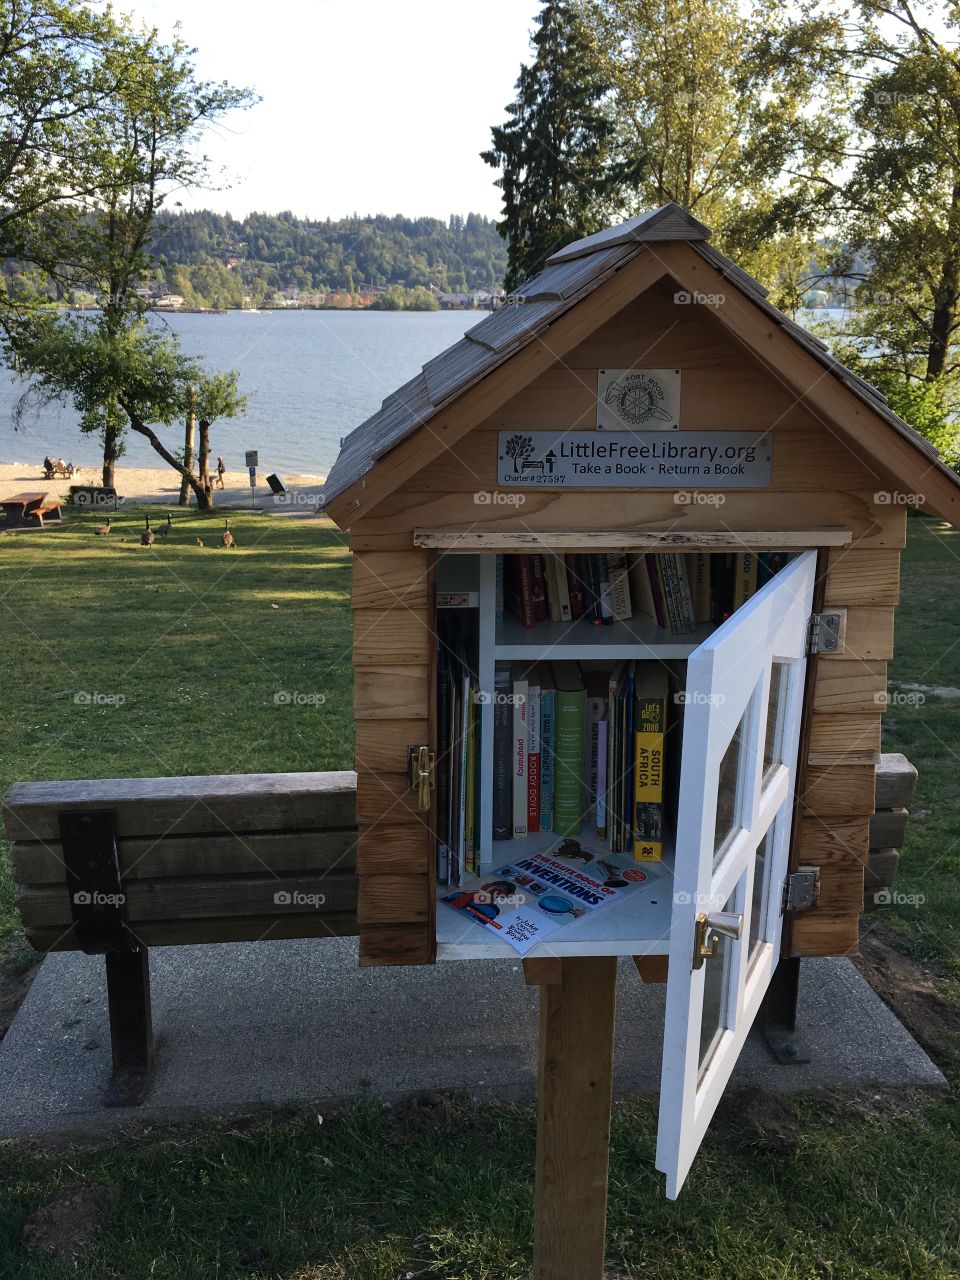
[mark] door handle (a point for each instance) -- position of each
(422, 775)
(706, 937)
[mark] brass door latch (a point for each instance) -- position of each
(422, 762)
(706, 937)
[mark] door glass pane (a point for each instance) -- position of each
(716, 976)
(760, 868)
(773, 740)
(727, 791)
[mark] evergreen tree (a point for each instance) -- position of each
(553, 147)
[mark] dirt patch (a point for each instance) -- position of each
(14, 985)
(424, 1115)
(68, 1225)
(766, 1119)
(910, 991)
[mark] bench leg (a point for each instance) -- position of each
(131, 1026)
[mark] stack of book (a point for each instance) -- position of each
(582, 757)
(458, 754)
(676, 590)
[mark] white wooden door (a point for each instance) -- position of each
(743, 706)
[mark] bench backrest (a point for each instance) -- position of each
(200, 859)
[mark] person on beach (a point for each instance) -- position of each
(220, 470)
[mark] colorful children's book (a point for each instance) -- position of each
(530, 899)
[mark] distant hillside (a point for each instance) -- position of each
(214, 259)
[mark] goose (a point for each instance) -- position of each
(199, 542)
(227, 537)
(101, 529)
(148, 536)
(164, 529)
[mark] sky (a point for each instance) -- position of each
(368, 106)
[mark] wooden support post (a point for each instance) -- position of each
(131, 1025)
(573, 1119)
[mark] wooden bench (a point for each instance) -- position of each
(118, 866)
(27, 510)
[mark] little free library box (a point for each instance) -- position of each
(626, 559)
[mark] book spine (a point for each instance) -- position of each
(551, 587)
(745, 581)
(567, 783)
(648, 793)
(602, 777)
(547, 749)
(575, 587)
(629, 753)
(533, 759)
(502, 758)
(678, 566)
(498, 589)
(521, 742)
(594, 608)
(593, 714)
(656, 590)
(520, 588)
(698, 575)
(668, 588)
(620, 601)
(563, 589)
(538, 596)
(606, 603)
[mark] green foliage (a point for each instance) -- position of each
(216, 260)
(553, 148)
(396, 298)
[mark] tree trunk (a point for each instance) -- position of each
(188, 452)
(945, 298)
(111, 443)
(204, 497)
(204, 459)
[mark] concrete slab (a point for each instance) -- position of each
(248, 1025)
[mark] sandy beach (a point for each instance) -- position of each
(161, 485)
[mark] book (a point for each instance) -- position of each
(698, 575)
(620, 601)
(575, 588)
(650, 726)
(502, 757)
(537, 589)
(458, 599)
(570, 701)
(673, 575)
(745, 577)
(533, 759)
(526, 901)
(601, 816)
(547, 749)
(518, 586)
(552, 588)
(605, 597)
(594, 707)
(653, 573)
(521, 742)
(640, 588)
(498, 588)
(563, 588)
(723, 569)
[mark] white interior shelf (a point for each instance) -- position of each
(638, 637)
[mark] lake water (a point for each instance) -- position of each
(309, 378)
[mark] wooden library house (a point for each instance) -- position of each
(625, 566)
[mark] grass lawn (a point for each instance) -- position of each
(850, 1187)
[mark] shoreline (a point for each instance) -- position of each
(160, 486)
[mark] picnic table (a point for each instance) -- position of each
(27, 510)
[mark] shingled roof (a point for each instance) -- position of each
(569, 275)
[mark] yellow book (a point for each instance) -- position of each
(650, 726)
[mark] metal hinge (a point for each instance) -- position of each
(801, 889)
(825, 632)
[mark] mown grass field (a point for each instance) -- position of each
(851, 1187)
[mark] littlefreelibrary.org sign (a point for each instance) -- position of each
(634, 459)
